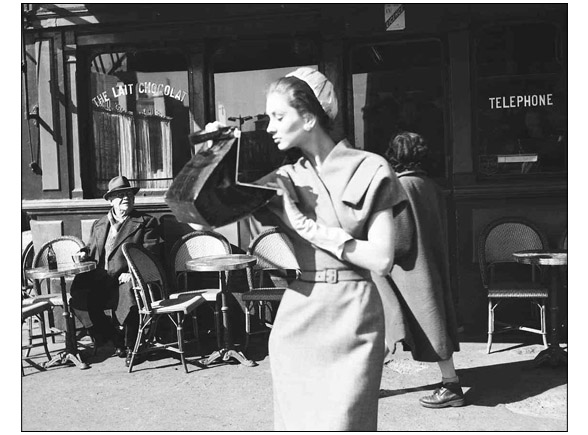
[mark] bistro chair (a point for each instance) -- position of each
(64, 247)
(269, 277)
(26, 261)
(27, 286)
(496, 244)
(151, 293)
(196, 244)
(36, 310)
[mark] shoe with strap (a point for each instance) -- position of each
(449, 394)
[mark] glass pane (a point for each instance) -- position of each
(526, 48)
(240, 96)
(399, 87)
(140, 113)
(521, 98)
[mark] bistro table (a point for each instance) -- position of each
(222, 264)
(554, 354)
(67, 269)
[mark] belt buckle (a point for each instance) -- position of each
(331, 276)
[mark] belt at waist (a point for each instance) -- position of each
(330, 276)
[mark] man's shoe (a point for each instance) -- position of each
(449, 394)
(121, 352)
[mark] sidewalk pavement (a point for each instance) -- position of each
(504, 391)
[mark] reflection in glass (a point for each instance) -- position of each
(398, 87)
(140, 109)
(521, 60)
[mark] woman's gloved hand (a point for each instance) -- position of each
(331, 239)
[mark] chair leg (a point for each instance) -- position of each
(218, 320)
(195, 331)
(247, 324)
(180, 334)
(542, 311)
(490, 325)
(51, 319)
(30, 334)
(44, 336)
(143, 323)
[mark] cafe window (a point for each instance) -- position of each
(243, 71)
(140, 117)
(520, 100)
(398, 87)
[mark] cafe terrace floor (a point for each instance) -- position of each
(505, 392)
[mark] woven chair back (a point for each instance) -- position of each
(26, 261)
(195, 245)
(148, 279)
(275, 253)
(504, 236)
(274, 250)
(64, 247)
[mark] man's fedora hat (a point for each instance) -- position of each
(119, 184)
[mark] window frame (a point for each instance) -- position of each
(446, 181)
(476, 78)
(84, 71)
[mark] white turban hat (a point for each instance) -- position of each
(323, 89)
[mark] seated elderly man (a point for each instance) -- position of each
(109, 286)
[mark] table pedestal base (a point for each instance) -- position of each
(226, 354)
(65, 357)
(553, 355)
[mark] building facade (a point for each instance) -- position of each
(111, 89)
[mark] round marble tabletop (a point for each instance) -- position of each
(219, 263)
(554, 257)
(64, 269)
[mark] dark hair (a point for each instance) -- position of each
(302, 98)
(406, 151)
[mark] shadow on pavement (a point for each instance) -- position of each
(498, 384)
(510, 382)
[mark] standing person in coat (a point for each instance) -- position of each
(420, 279)
(336, 203)
(109, 286)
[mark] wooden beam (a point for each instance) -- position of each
(49, 153)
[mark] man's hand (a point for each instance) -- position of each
(82, 254)
(124, 277)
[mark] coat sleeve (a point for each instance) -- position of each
(93, 243)
(152, 236)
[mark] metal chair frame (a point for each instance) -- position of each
(36, 310)
(275, 253)
(40, 259)
(499, 291)
(197, 244)
(151, 293)
(27, 288)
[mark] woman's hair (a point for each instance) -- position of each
(406, 151)
(302, 98)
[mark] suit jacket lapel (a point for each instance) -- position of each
(335, 173)
(100, 233)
